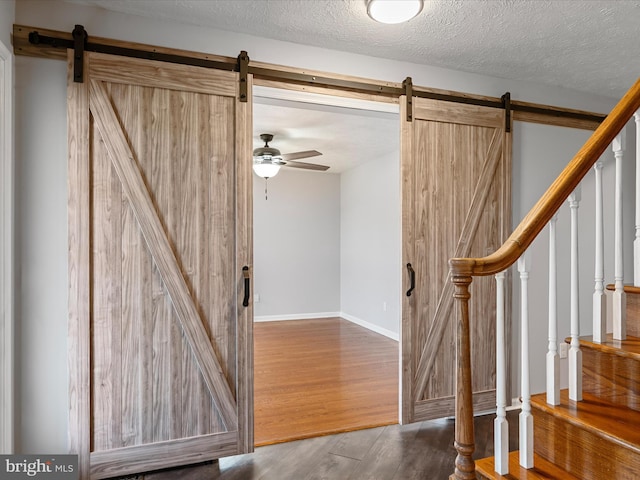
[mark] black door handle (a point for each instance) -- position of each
(412, 277)
(247, 286)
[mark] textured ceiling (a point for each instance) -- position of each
(588, 45)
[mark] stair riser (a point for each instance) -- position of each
(543, 470)
(611, 377)
(633, 315)
(581, 452)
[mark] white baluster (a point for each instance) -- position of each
(575, 355)
(500, 424)
(636, 242)
(599, 298)
(619, 297)
(526, 418)
(553, 360)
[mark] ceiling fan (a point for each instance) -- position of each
(268, 160)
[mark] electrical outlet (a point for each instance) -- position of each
(564, 349)
(256, 298)
(384, 306)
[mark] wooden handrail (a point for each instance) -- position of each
(555, 195)
(464, 269)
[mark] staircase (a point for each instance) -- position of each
(596, 438)
(591, 431)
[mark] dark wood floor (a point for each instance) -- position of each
(421, 451)
(324, 376)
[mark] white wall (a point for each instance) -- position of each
(41, 157)
(370, 244)
(329, 244)
(7, 16)
(41, 256)
(297, 244)
(540, 153)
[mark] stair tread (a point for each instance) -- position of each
(542, 470)
(623, 348)
(627, 288)
(610, 421)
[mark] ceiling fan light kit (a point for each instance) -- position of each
(393, 11)
(266, 169)
(268, 160)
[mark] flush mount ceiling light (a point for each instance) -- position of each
(393, 11)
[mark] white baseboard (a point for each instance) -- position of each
(295, 316)
(371, 326)
(346, 316)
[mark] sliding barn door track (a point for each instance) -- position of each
(79, 41)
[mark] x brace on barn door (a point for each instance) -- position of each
(80, 42)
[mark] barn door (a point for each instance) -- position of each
(159, 231)
(456, 174)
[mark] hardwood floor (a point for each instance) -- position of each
(421, 451)
(324, 376)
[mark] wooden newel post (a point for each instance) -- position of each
(464, 437)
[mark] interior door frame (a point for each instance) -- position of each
(283, 90)
(7, 361)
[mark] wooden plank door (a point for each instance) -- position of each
(161, 369)
(456, 175)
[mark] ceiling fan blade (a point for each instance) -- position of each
(296, 155)
(308, 166)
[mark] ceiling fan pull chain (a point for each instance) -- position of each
(265, 188)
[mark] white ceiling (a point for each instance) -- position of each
(587, 45)
(346, 132)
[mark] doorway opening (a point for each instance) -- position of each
(327, 276)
